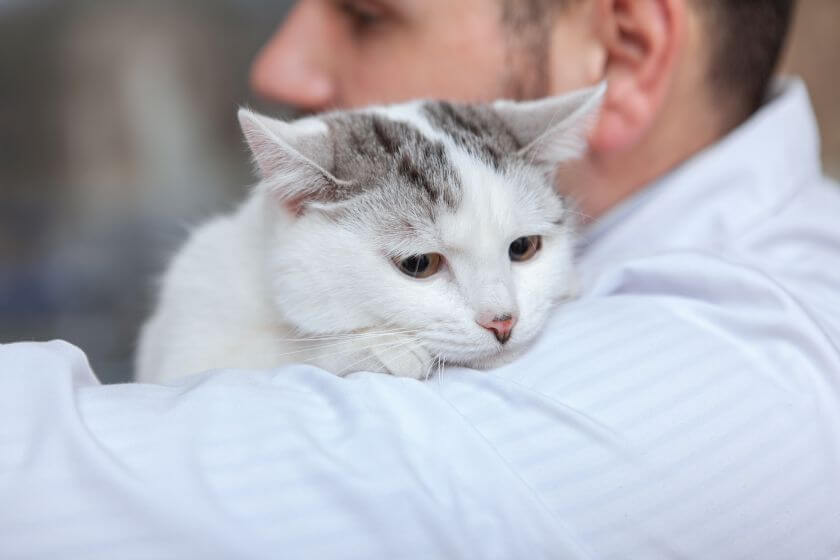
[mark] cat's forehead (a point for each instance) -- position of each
(395, 157)
(409, 147)
(475, 128)
(420, 160)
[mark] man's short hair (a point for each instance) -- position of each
(749, 37)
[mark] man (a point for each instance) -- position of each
(687, 406)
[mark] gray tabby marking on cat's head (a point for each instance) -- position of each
(477, 129)
(400, 161)
(374, 152)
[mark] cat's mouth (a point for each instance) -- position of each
(479, 358)
(412, 352)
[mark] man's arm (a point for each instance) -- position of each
(295, 462)
(636, 428)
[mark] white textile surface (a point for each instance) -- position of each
(687, 406)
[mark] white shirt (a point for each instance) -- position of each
(687, 406)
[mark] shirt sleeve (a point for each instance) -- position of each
(639, 426)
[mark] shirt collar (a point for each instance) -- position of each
(719, 193)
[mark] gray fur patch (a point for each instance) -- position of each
(476, 129)
(374, 152)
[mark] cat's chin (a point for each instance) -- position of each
(491, 360)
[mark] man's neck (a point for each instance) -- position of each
(608, 180)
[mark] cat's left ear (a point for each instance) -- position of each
(555, 129)
(293, 159)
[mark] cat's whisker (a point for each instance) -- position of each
(320, 347)
(366, 354)
(429, 369)
(387, 346)
(340, 340)
(409, 344)
(348, 369)
(348, 336)
(364, 332)
(441, 341)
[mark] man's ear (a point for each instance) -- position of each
(293, 159)
(555, 129)
(642, 40)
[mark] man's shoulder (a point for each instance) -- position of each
(766, 287)
(796, 249)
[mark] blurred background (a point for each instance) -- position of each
(118, 133)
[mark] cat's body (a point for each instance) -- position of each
(388, 239)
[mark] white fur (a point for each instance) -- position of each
(264, 287)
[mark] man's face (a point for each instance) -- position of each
(346, 53)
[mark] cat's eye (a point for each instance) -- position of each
(525, 248)
(420, 266)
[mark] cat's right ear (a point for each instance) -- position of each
(293, 159)
(555, 129)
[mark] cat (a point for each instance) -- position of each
(390, 239)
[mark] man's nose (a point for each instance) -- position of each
(294, 67)
(500, 324)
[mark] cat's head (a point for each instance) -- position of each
(437, 219)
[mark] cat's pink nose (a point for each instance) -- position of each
(500, 325)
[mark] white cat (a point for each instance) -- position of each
(387, 239)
